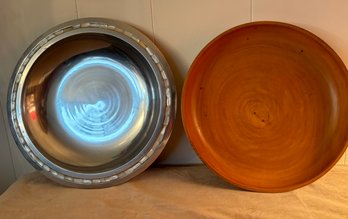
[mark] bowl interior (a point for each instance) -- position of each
(88, 102)
(265, 106)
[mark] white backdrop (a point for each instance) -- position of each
(180, 28)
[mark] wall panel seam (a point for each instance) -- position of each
(77, 9)
(8, 141)
(152, 21)
(251, 11)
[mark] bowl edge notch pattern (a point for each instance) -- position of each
(164, 126)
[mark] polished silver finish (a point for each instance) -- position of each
(99, 105)
(92, 103)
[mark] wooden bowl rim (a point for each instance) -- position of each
(185, 110)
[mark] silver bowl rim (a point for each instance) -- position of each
(163, 129)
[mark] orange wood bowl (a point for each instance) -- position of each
(265, 106)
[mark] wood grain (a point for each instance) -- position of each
(265, 106)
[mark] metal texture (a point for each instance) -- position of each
(92, 103)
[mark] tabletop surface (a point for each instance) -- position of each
(175, 192)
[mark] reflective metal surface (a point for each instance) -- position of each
(92, 103)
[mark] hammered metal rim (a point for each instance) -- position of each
(146, 157)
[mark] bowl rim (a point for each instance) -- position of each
(166, 117)
(185, 111)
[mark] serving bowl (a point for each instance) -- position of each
(91, 103)
(265, 106)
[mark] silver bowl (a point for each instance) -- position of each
(92, 103)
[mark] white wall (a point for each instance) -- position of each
(180, 28)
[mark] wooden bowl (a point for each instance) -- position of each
(265, 106)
